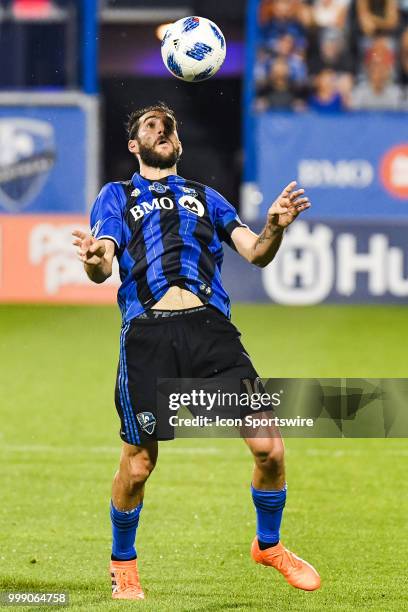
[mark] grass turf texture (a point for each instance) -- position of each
(59, 448)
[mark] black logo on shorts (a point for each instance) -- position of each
(147, 421)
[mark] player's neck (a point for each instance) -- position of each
(155, 174)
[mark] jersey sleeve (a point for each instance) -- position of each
(106, 215)
(226, 218)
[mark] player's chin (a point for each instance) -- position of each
(167, 160)
(164, 150)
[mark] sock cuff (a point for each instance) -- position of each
(128, 516)
(269, 500)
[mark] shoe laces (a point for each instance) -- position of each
(127, 579)
(287, 557)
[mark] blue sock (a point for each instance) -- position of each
(269, 509)
(124, 525)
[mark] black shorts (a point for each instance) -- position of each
(161, 346)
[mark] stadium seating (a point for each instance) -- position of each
(331, 56)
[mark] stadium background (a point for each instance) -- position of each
(333, 304)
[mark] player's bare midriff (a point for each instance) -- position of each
(177, 298)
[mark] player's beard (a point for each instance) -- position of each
(152, 158)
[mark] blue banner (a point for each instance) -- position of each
(319, 261)
(48, 153)
(352, 165)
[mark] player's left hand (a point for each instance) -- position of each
(287, 206)
(90, 251)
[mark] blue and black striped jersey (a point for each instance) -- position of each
(167, 232)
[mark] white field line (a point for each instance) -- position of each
(187, 450)
(42, 448)
(340, 453)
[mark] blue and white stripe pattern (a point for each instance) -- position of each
(165, 37)
(205, 74)
(190, 24)
(199, 51)
(173, 65)
(218, 35)
(131, 431)
(161, 243)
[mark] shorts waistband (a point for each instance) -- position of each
(166, 314)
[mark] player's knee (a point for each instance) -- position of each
(138, 472)
(270, 458)
(135, 468)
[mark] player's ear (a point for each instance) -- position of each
(133, 147)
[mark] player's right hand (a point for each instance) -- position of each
(90, 251)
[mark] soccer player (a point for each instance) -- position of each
(166, 232)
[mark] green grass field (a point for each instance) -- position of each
(346, 510)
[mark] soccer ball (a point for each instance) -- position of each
(193, 49)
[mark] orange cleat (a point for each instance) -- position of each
(297, 572)
(125, 580)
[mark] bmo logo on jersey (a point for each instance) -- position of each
(188, 202)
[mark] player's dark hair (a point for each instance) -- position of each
(132, 124)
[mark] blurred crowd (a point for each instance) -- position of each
(332, 55)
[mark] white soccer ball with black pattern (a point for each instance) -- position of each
(193, 49)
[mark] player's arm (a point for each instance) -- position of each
(96, 255)
(261, 249)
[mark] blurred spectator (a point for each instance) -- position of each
(299, 9)
(283, 36)
(262, 66)
(286, 48)
(324, 46)
(330, 13)
(403, 59)
(377, 17)
(377, 91)
(326, 97)
(277, 92)
(279, 18)
(332, 53)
